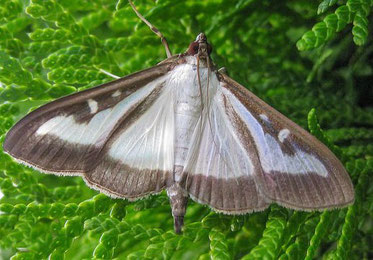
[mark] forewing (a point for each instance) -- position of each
(138, 158)
(80, 133)
(296, 170)
(218, 170)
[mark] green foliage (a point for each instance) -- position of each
(354, 11)
(51, 48)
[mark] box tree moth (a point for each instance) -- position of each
(185, 127)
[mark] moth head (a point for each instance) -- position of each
(200, 46)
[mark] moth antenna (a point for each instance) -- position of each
(199, 84)
(200, 91)
(208, 114)
(208, 82)
(153, 28)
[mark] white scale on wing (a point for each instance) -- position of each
(93, 106)
(283, 134)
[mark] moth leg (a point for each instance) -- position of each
(153, 28)
(109, 74)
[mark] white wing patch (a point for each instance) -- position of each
(92, 106)
(148, 142)
(271, 156)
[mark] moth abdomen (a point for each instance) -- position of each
(178, 200)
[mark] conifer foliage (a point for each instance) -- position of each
(300, 56)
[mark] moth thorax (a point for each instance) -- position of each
(200, 46)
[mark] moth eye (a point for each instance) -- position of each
(193, 48)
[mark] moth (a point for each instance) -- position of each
(187, 128)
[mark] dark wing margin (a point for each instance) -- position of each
(68, 136)
(297, 170)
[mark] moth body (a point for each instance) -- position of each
(183, 127)
(189, 101)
